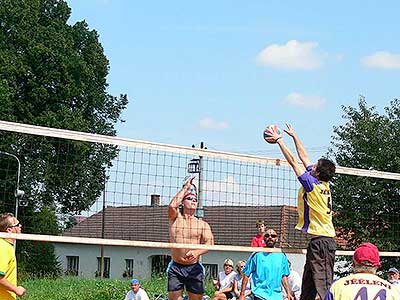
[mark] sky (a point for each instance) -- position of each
(220, 71)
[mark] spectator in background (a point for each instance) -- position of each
(237, 282)
(9, 290)
(294, 281)
(364, 283)
(224, 284)
(258, 240)
(268, 271)
(393, 275)
(136, 292)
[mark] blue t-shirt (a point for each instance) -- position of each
(266, 270)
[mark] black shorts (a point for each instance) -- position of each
(318, 270)
(190, 277)
(229, 295)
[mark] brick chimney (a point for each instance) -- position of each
(155, 200)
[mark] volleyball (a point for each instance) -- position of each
(269, 136)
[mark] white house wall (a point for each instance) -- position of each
(142, 258)
(88, 258)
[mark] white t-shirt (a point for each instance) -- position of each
(294, 280)
(226, 281)
(140, 295)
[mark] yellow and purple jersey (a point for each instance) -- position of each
(314, 206)
(362, 286)
(8, 268)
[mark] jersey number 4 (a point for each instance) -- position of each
(363, 295)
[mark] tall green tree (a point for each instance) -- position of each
(367, 209)
(53, 74)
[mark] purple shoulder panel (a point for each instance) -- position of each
(309, 168)
(307, 180)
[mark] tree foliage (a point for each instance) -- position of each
(367, 209)
(36, 258)
(53, 74)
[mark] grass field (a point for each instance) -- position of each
(76, 288)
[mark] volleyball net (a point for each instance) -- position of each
(116, 191)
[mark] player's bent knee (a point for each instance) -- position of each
(193, 296)
(175, 295)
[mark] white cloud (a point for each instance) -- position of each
(382, 60)
(293, 55)
(209, 123)
(297, 99)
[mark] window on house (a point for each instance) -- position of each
(72, 266)
(128, 272)
(211, 271)
(159, 264)
(106, 269)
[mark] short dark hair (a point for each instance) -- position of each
(5, 221)
(260, 222)
(326, 169)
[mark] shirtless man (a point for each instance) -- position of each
(185, 271)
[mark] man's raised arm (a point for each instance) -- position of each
(301, 151)
(298, 169)
(173, 209)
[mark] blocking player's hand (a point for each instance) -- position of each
(275, 133)
(290, 130)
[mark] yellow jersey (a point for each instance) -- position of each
(8, 268)
(362, 286)
(314, 204)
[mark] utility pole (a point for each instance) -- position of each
(199, 169)
(103, 220)
(19, 194)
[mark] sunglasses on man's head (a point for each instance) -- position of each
(228, 266)
(267, 235)
(16, 225)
